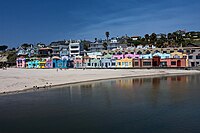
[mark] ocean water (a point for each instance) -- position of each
(127, 105)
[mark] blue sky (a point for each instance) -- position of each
(33, 21)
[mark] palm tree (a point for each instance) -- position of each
(96, 39)
(105, 45)
(147, 38)
(107, 35)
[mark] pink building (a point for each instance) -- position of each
(49, 63)
(133, 56)
(118, 57)
(78, 62)
(21, 62)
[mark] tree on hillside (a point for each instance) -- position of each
(25, 45)
(169, 39)
(162, 41)
(3, 47)
(86, 45)
(153, 38)
(107, 35)
(129, 42)
(136, 42)
(143, 41)
(12, 56)
(180, 40)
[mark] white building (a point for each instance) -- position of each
(74, 49)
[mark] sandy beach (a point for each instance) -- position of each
(13, 79)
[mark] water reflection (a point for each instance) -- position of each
(125, 105)
(154, 89)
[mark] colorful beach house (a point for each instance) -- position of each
(146, 63)
(95, 60)
(78, 62)
(49, 63)
(60, 62)
(180, 55)
(173, 62)
(21, 62)
(146, 56)
(95, 63)
(32, 63)
(107, 61)
(86, 61)
(118, 56)
(177, 55)
(162, 55)
(136, 63)
(42, 63)
(124, 63)
(132, 56)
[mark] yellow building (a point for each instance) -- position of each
(124, 63)
(178, 55)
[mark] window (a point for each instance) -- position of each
(126, 64)
(188, 51)
(123, 63)
(164, 63)
(146, 63)
(190, 57)
(173, 62)
(176, 56)
(193, 51)
(74, 46)
(20, 61)
(198, 57)
(113, 64)
(130, 63)
(119, 63)
(75, 51)
(136, 64)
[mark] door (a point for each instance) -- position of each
(178, 63)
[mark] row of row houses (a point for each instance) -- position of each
(106, 60)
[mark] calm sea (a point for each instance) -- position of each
(145, 105)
